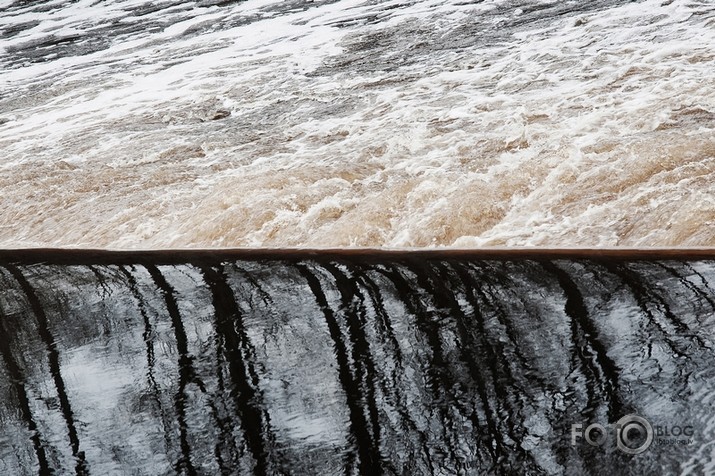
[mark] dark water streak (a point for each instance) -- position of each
(53, 358)
(591, 350)
(187, 374)
(17, 380)
(148, 336)
(439, 365)
(360, 434)
(240, 356)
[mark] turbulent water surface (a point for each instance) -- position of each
(357, 122)
(337, 365)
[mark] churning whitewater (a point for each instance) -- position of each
(205, 123)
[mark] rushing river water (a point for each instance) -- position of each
(201, 123)
(339, 364)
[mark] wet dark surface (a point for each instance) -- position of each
(353, 365)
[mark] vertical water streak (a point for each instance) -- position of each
(382, 318)
(364, 373)
(148, 337)
(644, 297)
(17, 379)
(226, 442)
(692, 333)
(53, 357)
(186, 371)
(694, 288)
(475, 336)
(591, 349)
(188, 375)
(391, 385)
(441, 381)
(245, 389)
(491, 289)
(477, 346)
(359, 428)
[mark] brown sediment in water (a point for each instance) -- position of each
(595, 131)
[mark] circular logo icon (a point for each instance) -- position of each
(634, 434)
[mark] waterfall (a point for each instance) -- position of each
(340, 364)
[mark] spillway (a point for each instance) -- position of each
(355, 363)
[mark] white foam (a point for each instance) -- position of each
(567, 133)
